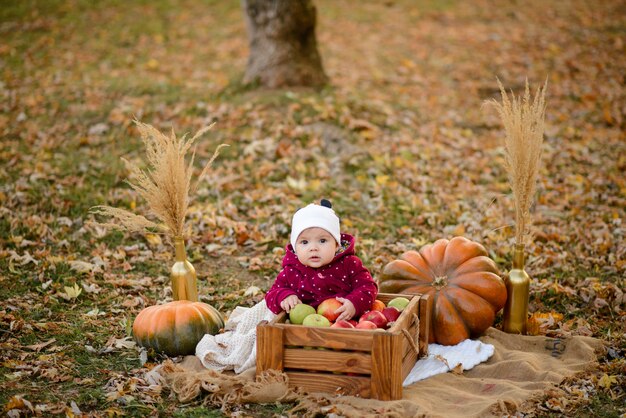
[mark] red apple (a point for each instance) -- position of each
(353, 322)
(328, 307)
(342, 324)
(376, 317)
(366, 325)
(391, 313)
(377, 305)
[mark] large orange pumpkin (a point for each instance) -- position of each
(462, 281)
(175, 328)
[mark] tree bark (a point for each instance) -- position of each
(283, 48)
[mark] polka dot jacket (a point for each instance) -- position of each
(345, 276)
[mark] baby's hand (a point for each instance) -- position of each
(347, 310)
(289, 302)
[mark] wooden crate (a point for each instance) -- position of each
(365, 363)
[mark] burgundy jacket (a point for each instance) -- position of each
(345, 277)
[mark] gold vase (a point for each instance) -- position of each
(518, 289)
(183, 275)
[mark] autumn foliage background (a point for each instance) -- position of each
(401, 142)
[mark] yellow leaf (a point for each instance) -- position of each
(55, 259)
(153, 239)
(298, 184)
(606, 381)
(17, 402)
(12, 267)
(419, 242)
(459, 230)
(152, 64)
(539, 322)
(314, 184)
(408, 63)
(382, 179)
(367, 134)
(73, 292)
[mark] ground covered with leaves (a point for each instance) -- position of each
(401, 142)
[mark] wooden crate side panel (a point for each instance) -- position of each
(269, 347)
(387, 367)
(409, 355)
(328, 360)
(339, 384)
(335, 338)
(425, 308)
(408, 362)
(413, 334)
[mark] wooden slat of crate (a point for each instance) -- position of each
(320, 382)
(425, 308)
(269, 347)
(327, 360)
(387, 366)
(335, 338)
(409, 355)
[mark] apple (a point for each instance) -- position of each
(377, 305)
(398, 303)
(366, 325)
(299, 312)
(316, 320)
(342, 324)
(376, 317)
(353, 322)
(328, 308)
(391, 313)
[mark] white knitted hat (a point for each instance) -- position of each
(320, 216)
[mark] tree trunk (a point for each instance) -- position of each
(283, 49)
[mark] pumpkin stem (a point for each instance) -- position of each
(440, 282)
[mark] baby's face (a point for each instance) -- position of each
(315, 247)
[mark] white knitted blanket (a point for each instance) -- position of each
(235, 348)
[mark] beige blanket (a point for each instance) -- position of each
(521, 369)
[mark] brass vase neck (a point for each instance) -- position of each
(179, 249)
(518, 257)
(183, 275)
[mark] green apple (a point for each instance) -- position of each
(399, 303)
(299, 312)
(316, 320)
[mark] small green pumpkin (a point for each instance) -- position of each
(175, 328)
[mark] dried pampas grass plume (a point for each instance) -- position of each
(523, 120)
(165, 185)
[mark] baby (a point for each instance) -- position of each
(320, 264)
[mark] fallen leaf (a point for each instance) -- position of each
(252, 291)
(607, 381)
(71, 293)
(40, 346)
(458, 369)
